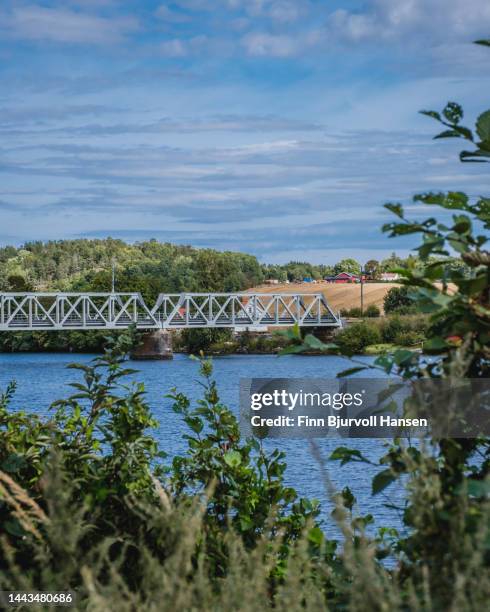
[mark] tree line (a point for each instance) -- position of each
(149, 267)
(153, 267)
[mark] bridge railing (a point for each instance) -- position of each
(119, 310)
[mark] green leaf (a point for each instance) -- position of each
(351, 371)
(453, 112)
(474, 285)
(345, 455)
(315, 536)
(348, 498)
(402, 356)
(13, 463)
(469, 156)
(447, 134)
(451, 200)
(361, 522)
(483, 126)
(478, 488)
(435, 344)
(396, 209)
(458, 245)
(298, 348)
(293, 333)
(464, 132)
(232, 458)
(382, 480)
(483, 42)
(432, 114)
(313, 342)
(13, 527)
(194, 423)
(246, 523)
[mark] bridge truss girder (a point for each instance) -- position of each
(64, 311)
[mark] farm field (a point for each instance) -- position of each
(339, 296)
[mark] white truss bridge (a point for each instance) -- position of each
(63, 311)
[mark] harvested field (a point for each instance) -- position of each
(339, 296)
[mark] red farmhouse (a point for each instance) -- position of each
(343, 277)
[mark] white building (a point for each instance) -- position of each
(389, 276)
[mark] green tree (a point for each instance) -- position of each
(372, 267)
(397, 299)
(391, 263)
(348, 265)
(18, 282)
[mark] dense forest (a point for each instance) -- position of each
(149, 267)
(153, 267)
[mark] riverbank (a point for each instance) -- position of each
(369, 336)
(370, 350)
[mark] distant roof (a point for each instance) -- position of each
(342, 275)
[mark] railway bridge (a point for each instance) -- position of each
(84, 311)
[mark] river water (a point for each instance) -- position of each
(43, 378)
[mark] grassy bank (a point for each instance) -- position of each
(370, 336)
(376, 335)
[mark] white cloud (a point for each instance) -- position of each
(281, 11)
(174, 48)
(194, 5)
(285, 11)
(169, 16)
(389, 19)
(62, 25)
(263, 44)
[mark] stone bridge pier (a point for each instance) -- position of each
(326, 335)
(156, 344)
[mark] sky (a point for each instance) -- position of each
(275, 127)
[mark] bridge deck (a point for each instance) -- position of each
(62, 311)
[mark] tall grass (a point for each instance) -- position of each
(177, 574)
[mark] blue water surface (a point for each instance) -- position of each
(44, 377)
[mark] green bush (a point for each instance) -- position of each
(88, 341)
(372, 311)
(355, 313)
(409, 338)
(196, 340)
(227, 347)
(354, 338)
(99, 448)
(397, 300)
(409, 326)
(392, 327)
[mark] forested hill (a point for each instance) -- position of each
(149, 267)
(153, 267)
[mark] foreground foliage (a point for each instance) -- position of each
(449, 481)
(88, 504)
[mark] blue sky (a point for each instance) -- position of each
(277, 127)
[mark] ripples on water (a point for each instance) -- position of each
(43, 378)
